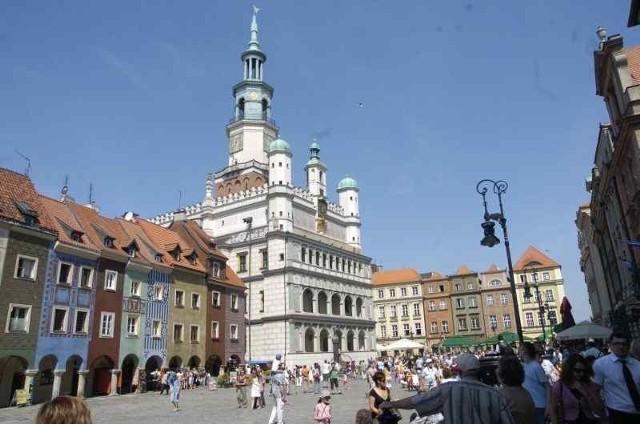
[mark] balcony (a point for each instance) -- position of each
(252, 117)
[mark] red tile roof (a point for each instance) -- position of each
(65, 222)
(397, 276)
(16, 188)
(168, 240)
(463, 270)
(96, 228)
(533, 256)
(435, 276)
(493, 268)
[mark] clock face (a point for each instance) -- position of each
(253, 95)
(235, 143)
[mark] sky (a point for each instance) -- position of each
(133, 97)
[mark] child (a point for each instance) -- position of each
(322, 411)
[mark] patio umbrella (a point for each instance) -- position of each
(380, 347)
(404, 344)
(565, 312)
(584, 330)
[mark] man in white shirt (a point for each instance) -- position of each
(618, 376)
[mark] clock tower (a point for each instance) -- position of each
(251, 129)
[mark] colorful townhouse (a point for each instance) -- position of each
(497, 302)
(186, 345)
(467, 305)
(225, 338)
(437, 305)
(65, 324)
(27, 235)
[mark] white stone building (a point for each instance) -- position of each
(309, 285)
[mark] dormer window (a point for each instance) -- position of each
(29, 214)
(132, 252)
(158, 257)
(108, 242)
(192, 258)
(216, 269)
(76, 236)
(176, 254)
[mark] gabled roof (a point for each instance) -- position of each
(435, 276)
(66, 223)
(148, 250)
(397, 276)
(493, 268)
(534, 257)
(95, 229)
(463, 270)
(168, 240)
(17, 192)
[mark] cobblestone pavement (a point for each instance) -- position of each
(204, 406)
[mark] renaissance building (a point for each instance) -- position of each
(299, 252)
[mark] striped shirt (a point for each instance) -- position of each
(467, 401)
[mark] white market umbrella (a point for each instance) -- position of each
(584, 330)
(404, 344)
(380, 347)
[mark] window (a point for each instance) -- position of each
(86, 277)
(158, 293)
(394, 330)
(537, 295)
(406, 329)
(381, 312)
(546, 276)
(526, 299)
(215, 330)
(434, 326)
(135, 288)
(216, 269)
(18, 319)
(108, 242)
(504, 299)
(194, 334)
(394, 312)
(65, 272)
(493, 322)
(443, 304)
(178, 335)
(195, 301)
(179, 299)
(403, 291)
(156, 329)
(234, 302)
(158, 257)
(59, 320)
(462, 324)
(506, 320)
(26, 267)
(110, 280)
(380, 294)
(242, 262)
(432, 288)
(472, 302)
(553, 318)
(529, 319)
(418, 328)
(414, 290)
(82, 322)
(265, 259)
(470, 286)
(106, 324)
(303, 255)
(475, 323)
(132, 325)
(432, 305)
(215, 299)
(459, 303)
(261, 292)
(495, 283)
(540, 317)
(383, 331)
(458, 287)
(490, 300)
(392, 292)
(416, 309)
(405, 310)
(548, 294)
(234, 332)
(445, 326)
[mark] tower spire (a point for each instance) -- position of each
(253, 43)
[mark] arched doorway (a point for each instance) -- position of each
(307, 301)
(175, 363)
(324, 340)
(70, 377)
(101, 375)
(12, 375)
(309, 335)
(335, 304)
(43, 390)
(194, 362)
(322, 302)
(152, 364)
(213, 364)
(127, 372)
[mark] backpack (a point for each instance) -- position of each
(316, 375)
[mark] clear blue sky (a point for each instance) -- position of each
(134, 96)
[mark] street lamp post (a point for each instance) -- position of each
(490, 239)
(249, 221)
(527, 294)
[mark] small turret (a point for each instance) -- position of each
(316, 172)
(348, 192)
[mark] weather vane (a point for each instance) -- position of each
(256, 9)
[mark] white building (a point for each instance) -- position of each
(298, 252)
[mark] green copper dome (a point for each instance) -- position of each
(348, 183)
(314, 145)
(279, 145)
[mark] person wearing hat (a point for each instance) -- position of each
(322, 410)
(592, 350)
(466, 401)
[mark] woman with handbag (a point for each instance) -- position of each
(575, 398)
(380, 393)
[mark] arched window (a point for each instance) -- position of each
(348, 306)
(350, 338)
(338, 335)
(309, 335)
(361, 343)
(359, 308)
(335, 304)
(307, 301)
(324, 340)
(241, 108)
(322, 303)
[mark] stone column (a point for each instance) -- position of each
(114, 382)
(57, 382)
(28, 382)
(82, 379)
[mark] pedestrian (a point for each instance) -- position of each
(467, 401)
(326, 368)
(574, 398)
(535, 380)
(510, 374)
(592, 350)
(377, 396)
(64, 410)
(306, 379)
(255, 389)
(316, 379)
(173, 380)
(322, 410)
(164, 385)
(333, 379)
(363, 416)
(241, 388)
(277, 410)
(618, 376)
